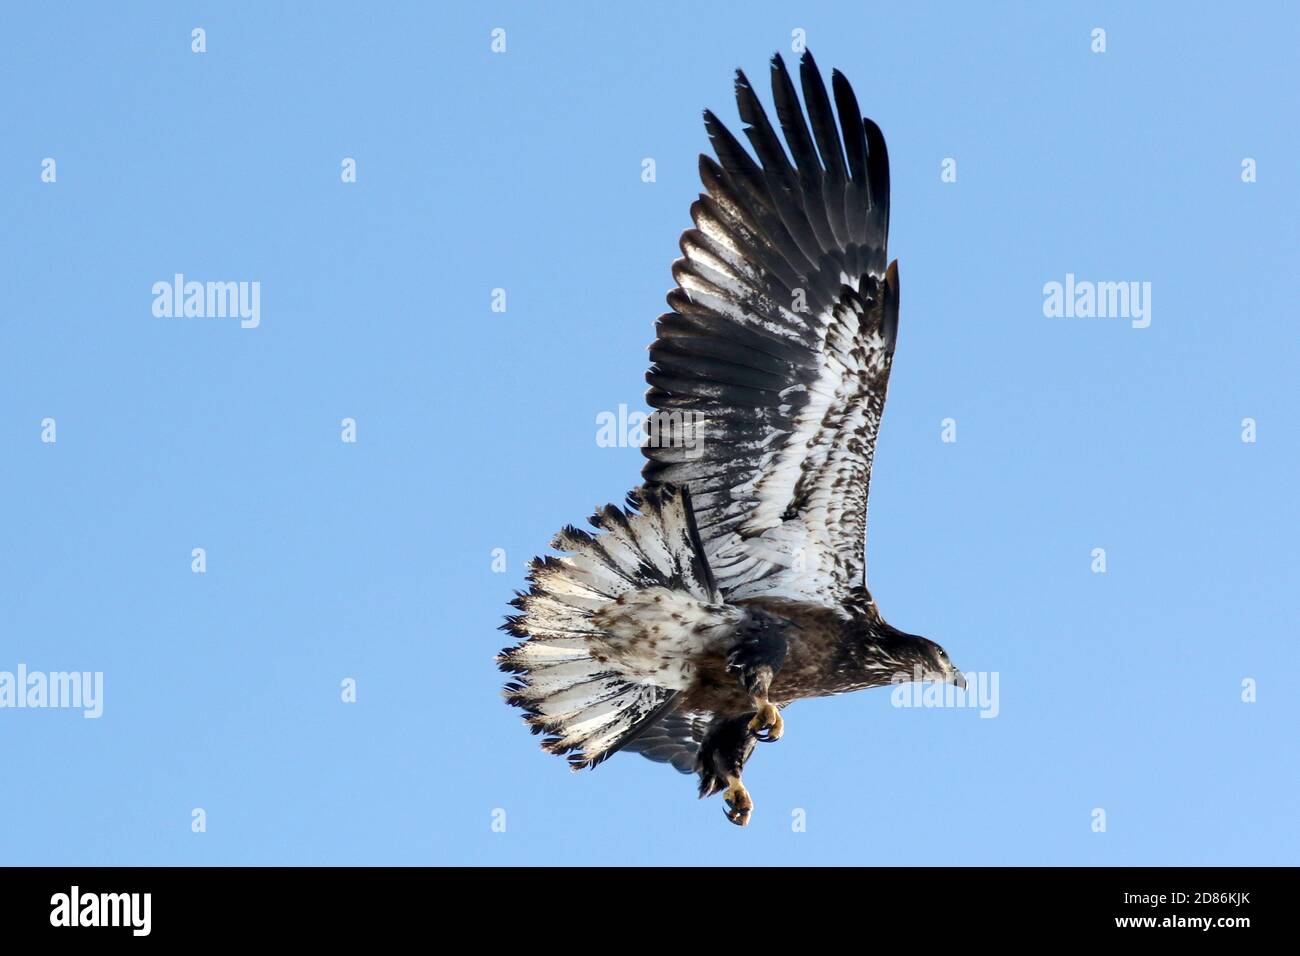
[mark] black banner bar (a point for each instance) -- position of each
(365, 904)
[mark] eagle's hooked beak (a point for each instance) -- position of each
(959, 679)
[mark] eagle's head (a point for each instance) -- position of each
(920, 658)
(937, 665)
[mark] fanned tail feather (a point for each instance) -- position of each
(564, 678)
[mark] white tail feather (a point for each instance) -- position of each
(577, 673)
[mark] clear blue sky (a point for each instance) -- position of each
(476, 430)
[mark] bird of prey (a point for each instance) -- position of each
(734, 581)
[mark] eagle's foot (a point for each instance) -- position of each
(739, 804)
(767, 725)
(723, 753)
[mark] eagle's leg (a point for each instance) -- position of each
(723, 753)
(755, 660)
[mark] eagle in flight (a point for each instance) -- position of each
(734, 581)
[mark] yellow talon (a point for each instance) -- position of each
(739, 803)
(767, 724)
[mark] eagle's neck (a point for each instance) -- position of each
(875, 652)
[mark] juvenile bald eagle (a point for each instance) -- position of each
(735, 580)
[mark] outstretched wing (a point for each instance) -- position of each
(769, 375)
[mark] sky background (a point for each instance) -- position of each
(477, 429)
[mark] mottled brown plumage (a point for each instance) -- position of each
(735, 582)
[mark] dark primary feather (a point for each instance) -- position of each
(674, 739)
(780, 340)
